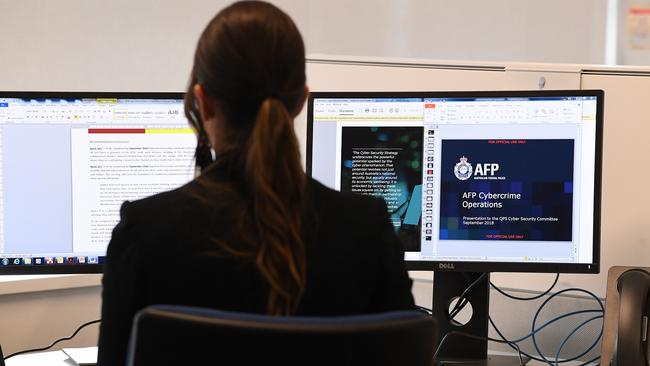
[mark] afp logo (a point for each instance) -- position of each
(463, 169)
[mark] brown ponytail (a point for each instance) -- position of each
(250, 60)
(276, 182)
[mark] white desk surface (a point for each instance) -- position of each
(19, 284)
(54, 358)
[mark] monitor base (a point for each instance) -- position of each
(467, 341)
(492, 360)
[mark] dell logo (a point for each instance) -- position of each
(446, 266)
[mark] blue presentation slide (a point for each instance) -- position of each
(507, 190)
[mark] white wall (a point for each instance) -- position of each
(145, 45)
(508, 30)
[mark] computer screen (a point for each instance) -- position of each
(69, 160)
(473, 181)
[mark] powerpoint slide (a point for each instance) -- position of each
(112, 165)
(387, 162)
(507, 190)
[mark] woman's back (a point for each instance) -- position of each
(163, 252)
(165, 246)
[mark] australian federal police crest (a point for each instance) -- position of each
(463, 169)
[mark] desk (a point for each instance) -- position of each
(54, 358)
(58, 358)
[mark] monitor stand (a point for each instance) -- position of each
(457, 349)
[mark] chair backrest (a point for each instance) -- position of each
(180, 335)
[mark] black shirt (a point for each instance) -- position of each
(163, 251)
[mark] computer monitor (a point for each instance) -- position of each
(474, 182)
(69, 160)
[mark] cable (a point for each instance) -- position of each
(424, 310)
(527, 354)
(557, 277)
(559, 350)
(454, 332)
(462, 300)
(505, 340)
(55, 342)
(535, 330)
(539, 310)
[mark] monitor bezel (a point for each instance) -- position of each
(56, 95)
(464, 266)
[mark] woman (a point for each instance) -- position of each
(252, 233)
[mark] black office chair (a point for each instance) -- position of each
(180, 335)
